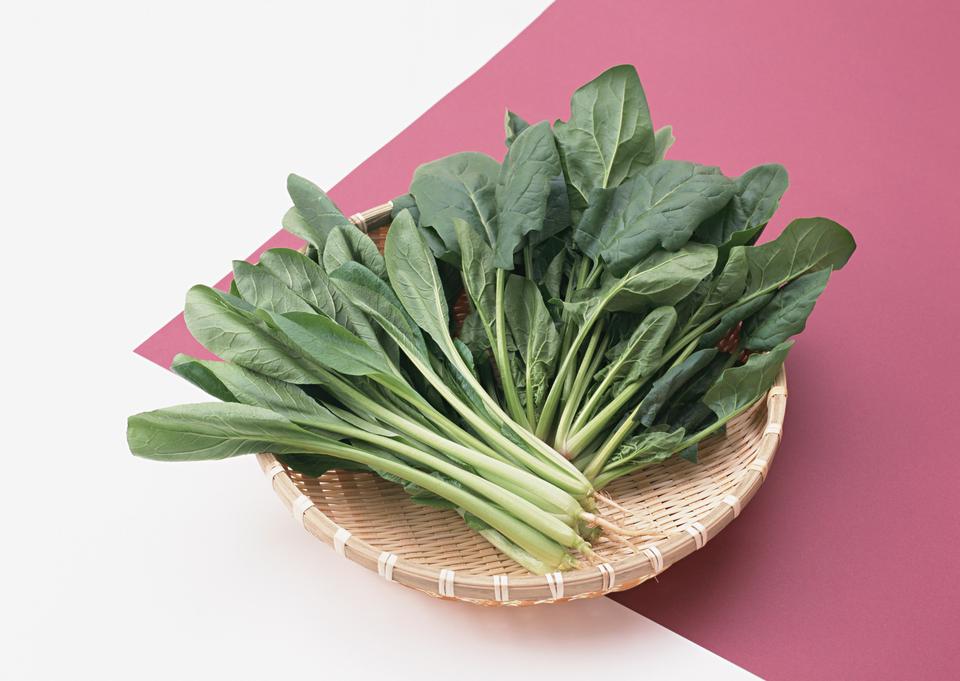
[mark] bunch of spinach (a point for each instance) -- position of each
(620, 314)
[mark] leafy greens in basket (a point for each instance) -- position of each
(619, 315)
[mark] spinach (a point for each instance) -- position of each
(613, 296)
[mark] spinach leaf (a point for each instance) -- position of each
(609, 134)
(671, 381)
(806, 245)
(260, 288)
(313, 214)
(479, 273)
(303, 276)
(651, 446)
(372, 295)
(346, 244)
(663, 278)
(640, 354)
(535, 335)
(229, 328)
(725, 289)
(214, 430)
(523, 187)
(755, 199)
(458, 186)
(256, 390)
(731, 317)
(197, 373)
(663, 140)
(786, 314)
(739, 387)
(330, 345)
(416, 281)
(661, 206)
(513, 125)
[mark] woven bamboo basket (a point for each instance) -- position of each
(374, 523)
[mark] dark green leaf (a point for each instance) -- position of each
(663, 278)
(534, 333)
(609, 134)
(523, 187)
(458, 186)
(661, 206)
(786, 314)
(668, 384)
(739, 387)
(756, 198)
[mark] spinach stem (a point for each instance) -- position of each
(503, 358)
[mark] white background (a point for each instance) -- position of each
(143, 147)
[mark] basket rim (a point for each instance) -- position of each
(588, 582)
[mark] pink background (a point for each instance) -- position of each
(845, 565)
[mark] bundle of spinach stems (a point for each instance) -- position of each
(619, 314)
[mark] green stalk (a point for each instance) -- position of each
(575, 485)
(610, 446)
(590, 359)
(531, 540)
(503, 359)
(546, 523)
(583, 437)
(514, 552)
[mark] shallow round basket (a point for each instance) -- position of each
(374, 523)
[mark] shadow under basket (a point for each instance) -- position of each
(374, 523)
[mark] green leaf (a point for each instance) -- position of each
(731, 317)
(641, 353)
(478, 271)
(458, 186)
(725, 289)
(663, 278)
(402, 203)
(533, 331)
(259, 287)
(256, 390)
(346, 244)
(313, 215)
(663, 140)
(523, 187)
(416, 281)
(609, 134)
(668, 384)
(739, 387)
(197, 373)
(755, 199)
(372, 295)
(660, 206)
(786, 314)
(513, 125)
(651, 446)
(301, 275)
(228, 327)
(806, 245)
(330, 345)
(214, 430)
(315, 465)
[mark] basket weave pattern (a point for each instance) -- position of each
(374, 523)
